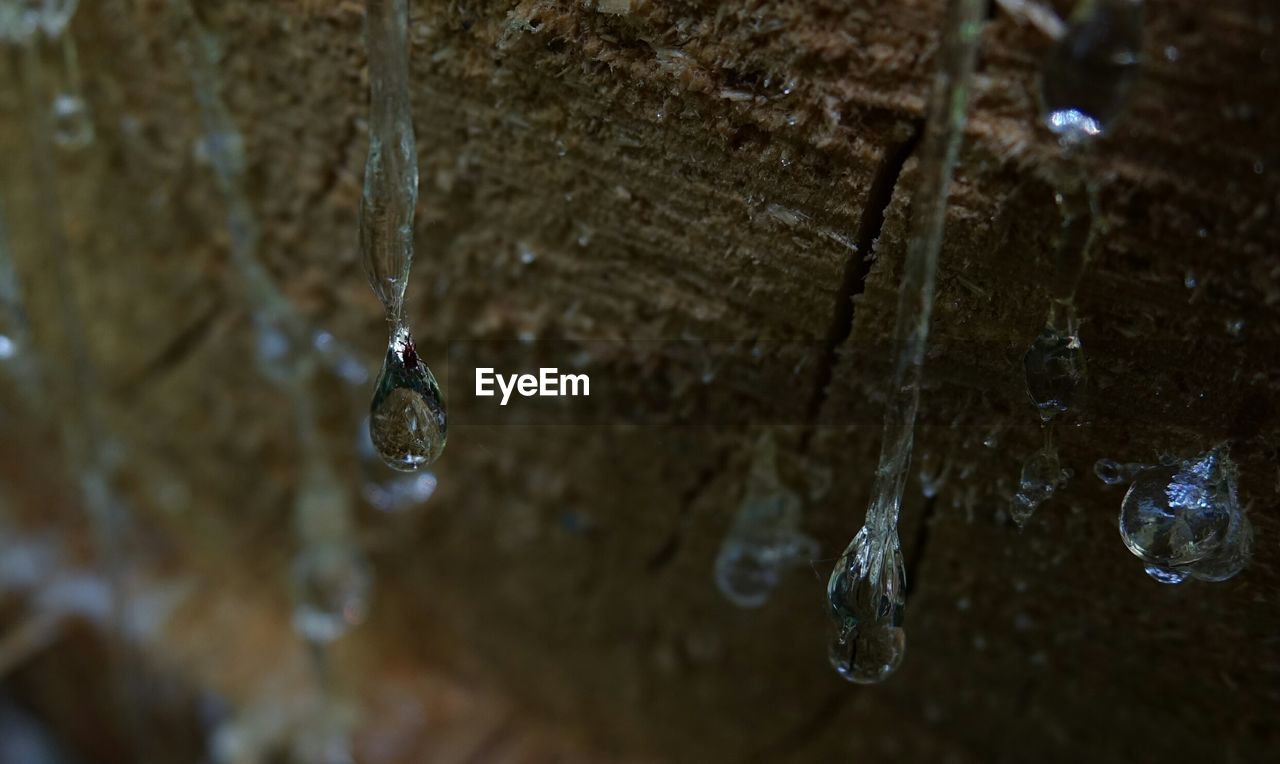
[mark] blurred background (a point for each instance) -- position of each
(202, 559)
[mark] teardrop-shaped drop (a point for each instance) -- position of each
(866, 595)
(1090, 71)
(407, 420)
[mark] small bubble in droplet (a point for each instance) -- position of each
(331, 584)
(1235, 327)
(1190, 281)
(1259, 168)
(1171, 54)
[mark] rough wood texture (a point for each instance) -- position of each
(702, 170)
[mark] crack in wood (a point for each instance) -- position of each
(858, 266)
(924, 532)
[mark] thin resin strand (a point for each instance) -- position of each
(866, 589)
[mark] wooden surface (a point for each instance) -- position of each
(684, 170)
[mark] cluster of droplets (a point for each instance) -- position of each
(865, 593)
(39, 28)
(765, 538)
(407, 415)
(1085, 83)
(1183, 519)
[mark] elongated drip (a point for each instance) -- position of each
(765, 538)
(1085, 83)
(407, 418)
(865, 592)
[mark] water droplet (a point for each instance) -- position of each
(527, 255)
(331, 582)
(765, 537)
(1113, 472)
(1055, 371)
(273, 350)
(1042, 477)
(407, 420)
(8, 348)
(1090, 71)
(1187, 518)
(1171, 54)
(867, 597)
(1190, 281)
(1235, 327)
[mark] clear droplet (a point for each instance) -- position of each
(1091, 70)
(332, 583)
(71, 122)
(72, 126)
(407, 420)
(866, 595)
(1187, 518)
(1042, 477)
(1113, 472)
(765, 537)
(1055, 371)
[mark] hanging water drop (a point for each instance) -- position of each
(407, 415)
(1091, 69)
(867, 597)
(1042, 477)
(1186, 518)
(765, 537)
(331, 583)
(865, 592)
(407, 420)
